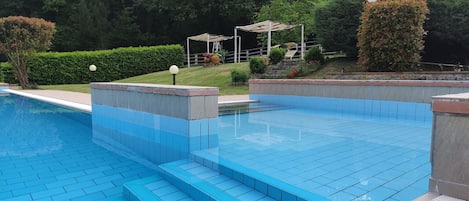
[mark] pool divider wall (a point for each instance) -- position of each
(450, 146)
(158, 122)
(417, 91)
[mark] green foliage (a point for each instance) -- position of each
(276, 55)
(314, 55)
(290, 12)
(239, 77)
(21, 36)
(7, 71)
(72, 67)
(447, 29)
(336, 24)
(257, 65)
(390, 36)
(107, 24)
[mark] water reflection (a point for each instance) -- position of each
(29, 128)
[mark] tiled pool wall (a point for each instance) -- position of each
(3, 87)
(450, 146)
(402, 100)
(379, 109)
(159, 123)
(445, 102)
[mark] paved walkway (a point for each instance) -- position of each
(85, 98)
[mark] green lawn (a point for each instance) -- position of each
(215, 76)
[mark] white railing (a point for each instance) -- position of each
(197, 59)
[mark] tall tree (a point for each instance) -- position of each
(336, 24)
(291, 12)
(447, 31)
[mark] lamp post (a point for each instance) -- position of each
(174, 70)
(92, 69)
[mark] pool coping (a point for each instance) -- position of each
(64, 103)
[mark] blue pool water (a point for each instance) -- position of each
(47, 153)
(338, 156)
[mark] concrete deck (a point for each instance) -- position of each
(82, 101)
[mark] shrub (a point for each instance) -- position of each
(6, 70)
(239, 77)
(257, 65)
(390, 36)
(276, 55)
(115, 64)
(314, 55)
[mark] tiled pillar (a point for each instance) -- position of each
(158, 122)
(450, 146)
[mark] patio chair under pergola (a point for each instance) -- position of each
(205, 37)
(265, 27)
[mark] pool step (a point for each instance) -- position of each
(202, 183)
(154, 188)
(274, 188)
(247, 108)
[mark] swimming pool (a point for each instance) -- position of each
(47, 153)
(338, 156)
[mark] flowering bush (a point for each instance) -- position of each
(293, 73)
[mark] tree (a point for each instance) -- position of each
(21, 36)
(290, 12)
(448, 32)
(336, 25)
(390, 36)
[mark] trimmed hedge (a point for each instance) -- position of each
(390, 36)
(73, 67)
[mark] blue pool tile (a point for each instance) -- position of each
(409, 194)
(228, 184)
(342, 196)
(71, 175)
(261, 186)
(238, 190)
(165, 190)
(370, 184)
(252, 195)
(30, 189)
(93, 196)
(343, 183)
(174, 196)
(355, 191)
(99, 187)
(47, 193)
(274, 192)
(399, 183)
(69, 195)
(5, 195)
(110, 178)
(22, 198)
(380, 194)
(72, 187)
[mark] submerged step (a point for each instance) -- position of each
(202, 183)
(272, 187)
(154, 188)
